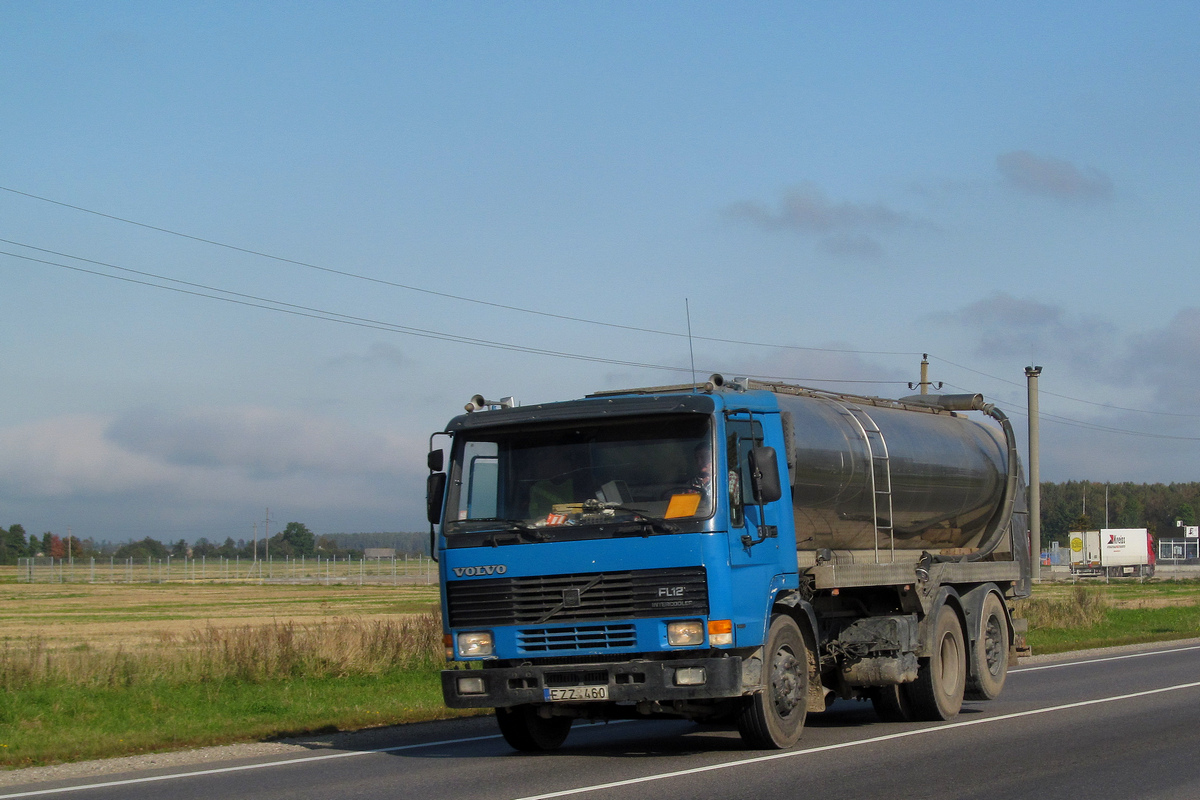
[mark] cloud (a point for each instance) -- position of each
(70, 455)
(806, 209)
(1169, 361)
(1160, 365)
(379, 354)
(847, 228)
(857, 245)
(264, 442)
(209, 466)
(1052, 177)
(1006, 326)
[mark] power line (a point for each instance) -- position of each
(447, 295)
(1067, 397)
(1093, 426)
(520, 309)
(268, 304)
(328, 316)
(1109, 429)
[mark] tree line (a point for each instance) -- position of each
(294, 541)
(1073, 505)
(1089, 505)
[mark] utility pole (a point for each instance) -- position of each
(924, 383)
(267, 535)
(254, 551)
(1035, 476)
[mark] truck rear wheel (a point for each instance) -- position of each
(891, 703)
(941, 681)
(773, 719)
(989, 661)
(528, 732)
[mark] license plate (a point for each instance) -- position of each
(561, 694)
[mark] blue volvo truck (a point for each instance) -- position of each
(734, 552)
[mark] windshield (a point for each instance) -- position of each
(539, 479)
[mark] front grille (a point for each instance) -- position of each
(589, 678)
(579, 637)
(583, 597)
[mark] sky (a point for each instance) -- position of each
(253, 255)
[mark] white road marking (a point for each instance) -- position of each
(662, 776)
(219, 770)
(873, 740)
(1057, 665)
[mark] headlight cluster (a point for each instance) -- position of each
(475, 644)
(690, 633)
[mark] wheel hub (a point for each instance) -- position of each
(784, 684)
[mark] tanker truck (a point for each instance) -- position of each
(735, 552)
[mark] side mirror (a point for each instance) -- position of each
(434, 460)
(764, 475)
(435, 493)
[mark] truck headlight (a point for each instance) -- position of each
(475, 644)
(690, 676)
(687, 632)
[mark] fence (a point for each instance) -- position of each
(404, 569)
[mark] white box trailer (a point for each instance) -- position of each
(1112, 552)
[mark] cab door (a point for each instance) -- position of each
(759, 563)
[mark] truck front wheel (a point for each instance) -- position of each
(773, 718)
(528, 732)
(941, 681)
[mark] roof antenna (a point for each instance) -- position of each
(691, 352)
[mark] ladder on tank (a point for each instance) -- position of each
(881, 476)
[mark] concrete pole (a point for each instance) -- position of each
(1035, 477)
(925, 373)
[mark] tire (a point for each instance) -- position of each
(937, 694)
(891, 703)
(524, 730)
(989, 658)
(773, 718)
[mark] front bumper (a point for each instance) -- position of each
(627, 682)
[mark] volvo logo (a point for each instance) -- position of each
(475, 572)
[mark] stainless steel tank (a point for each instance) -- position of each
(886, 477)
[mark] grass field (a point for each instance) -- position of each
(107, 615)
(94, 670)
(1064, 617)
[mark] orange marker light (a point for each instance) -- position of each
(720, 632)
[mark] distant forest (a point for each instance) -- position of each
(404, 542)
(1074, 505)
(1081, 505)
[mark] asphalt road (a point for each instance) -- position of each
(1093, 726)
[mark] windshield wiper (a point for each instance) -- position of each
(522, 529)
(654, 524)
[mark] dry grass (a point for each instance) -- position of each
(130, 617)
(1078, 607)
(250, 653)
(122, 635)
